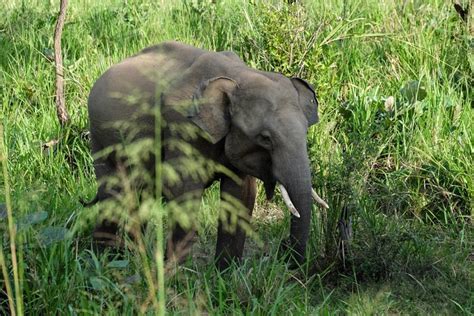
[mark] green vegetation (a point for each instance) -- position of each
(394, 148)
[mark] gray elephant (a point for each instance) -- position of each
(254, 124)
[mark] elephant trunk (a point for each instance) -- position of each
(291, 169)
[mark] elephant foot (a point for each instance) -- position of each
(179, 245)
(289, 252)
(224, 261)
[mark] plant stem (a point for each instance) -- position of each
(6, 277)
(11, 224)
(159, 257)
(60, 100)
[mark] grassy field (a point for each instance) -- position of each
(394, 148)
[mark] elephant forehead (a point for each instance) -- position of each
(255, 104)
(285, 120)
(278, 121)
(267, 97)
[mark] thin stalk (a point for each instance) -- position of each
(11, 224)
(6, 277)
(148, 273)
(159, 256)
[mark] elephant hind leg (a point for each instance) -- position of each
(232, 227)
(179, 244)
(106, 231)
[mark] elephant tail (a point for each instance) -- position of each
(90, 203)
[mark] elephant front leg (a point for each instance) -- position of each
(233, 224)
(187, 195)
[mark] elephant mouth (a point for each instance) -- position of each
(269, 186)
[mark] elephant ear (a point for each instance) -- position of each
(307, 99)
(210, 107)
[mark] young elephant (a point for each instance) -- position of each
(254, 124)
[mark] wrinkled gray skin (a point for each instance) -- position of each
(256, 124)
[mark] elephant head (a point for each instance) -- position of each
(263, 119)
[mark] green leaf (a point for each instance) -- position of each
(48, 53)
(133, 279)
(50, 235)
(31, 219)
(97, 283)
(3, 211)
(413, 91)
(118, 264)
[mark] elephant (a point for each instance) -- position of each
(253, 123)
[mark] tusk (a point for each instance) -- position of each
(318, 199)
(291, 206)
(288, 202)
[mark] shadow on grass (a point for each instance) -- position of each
(398, 265)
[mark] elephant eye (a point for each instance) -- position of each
(264, 140)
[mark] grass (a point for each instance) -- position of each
(402, 169)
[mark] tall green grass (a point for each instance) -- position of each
(402, 169)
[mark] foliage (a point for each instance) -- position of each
(394, 148)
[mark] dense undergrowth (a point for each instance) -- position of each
(394, 149)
